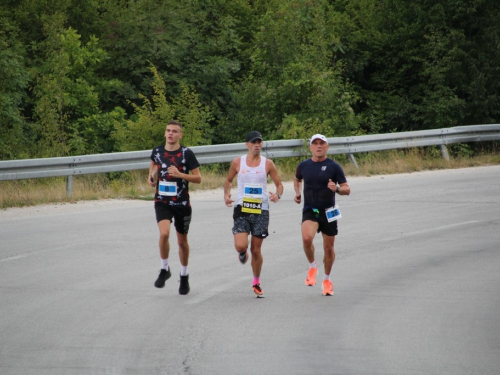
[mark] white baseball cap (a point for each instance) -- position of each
(318, 136)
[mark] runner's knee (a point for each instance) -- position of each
(307, 240)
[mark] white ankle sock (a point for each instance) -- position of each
(184, 270)
(164, 263)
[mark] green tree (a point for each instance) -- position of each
(67, 91)
(293, 75)
(412, 83)
(189, 42)
(478, 80)
(14, 78)
(420, 64)
(146, 128)
(83, 16)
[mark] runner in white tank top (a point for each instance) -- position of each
(252, 176)
(251, 212)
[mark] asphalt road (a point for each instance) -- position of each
(417, 287)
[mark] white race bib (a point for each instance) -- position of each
(166, 188)
(253, 191)
(333, 213)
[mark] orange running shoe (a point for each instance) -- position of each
(311, 276)
(258, 291)
(327, 288)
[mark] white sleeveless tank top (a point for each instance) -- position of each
(254, 176)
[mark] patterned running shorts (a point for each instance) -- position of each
(254, 224)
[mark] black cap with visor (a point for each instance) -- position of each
(252, 136)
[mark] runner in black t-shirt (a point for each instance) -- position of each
(169, 172)
(322, 179)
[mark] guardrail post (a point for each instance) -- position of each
(353, 160)
(444, 152)
(69, 186)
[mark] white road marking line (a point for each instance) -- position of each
(212, 292)
(14, 258)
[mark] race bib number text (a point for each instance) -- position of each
(252, 206)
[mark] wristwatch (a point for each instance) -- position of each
(337, 190)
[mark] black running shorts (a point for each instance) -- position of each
(180, 215)
(330, 229)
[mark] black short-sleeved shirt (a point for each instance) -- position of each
(185, 161)
(315, 176)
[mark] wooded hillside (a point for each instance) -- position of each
(94, 76)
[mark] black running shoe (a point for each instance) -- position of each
(162, 277)
(243, 257)
(184, 286)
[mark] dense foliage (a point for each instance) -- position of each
(82, 77)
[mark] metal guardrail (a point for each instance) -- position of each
(126, 161)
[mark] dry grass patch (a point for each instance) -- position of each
(393, 162)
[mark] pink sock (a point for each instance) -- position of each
(256, 280)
